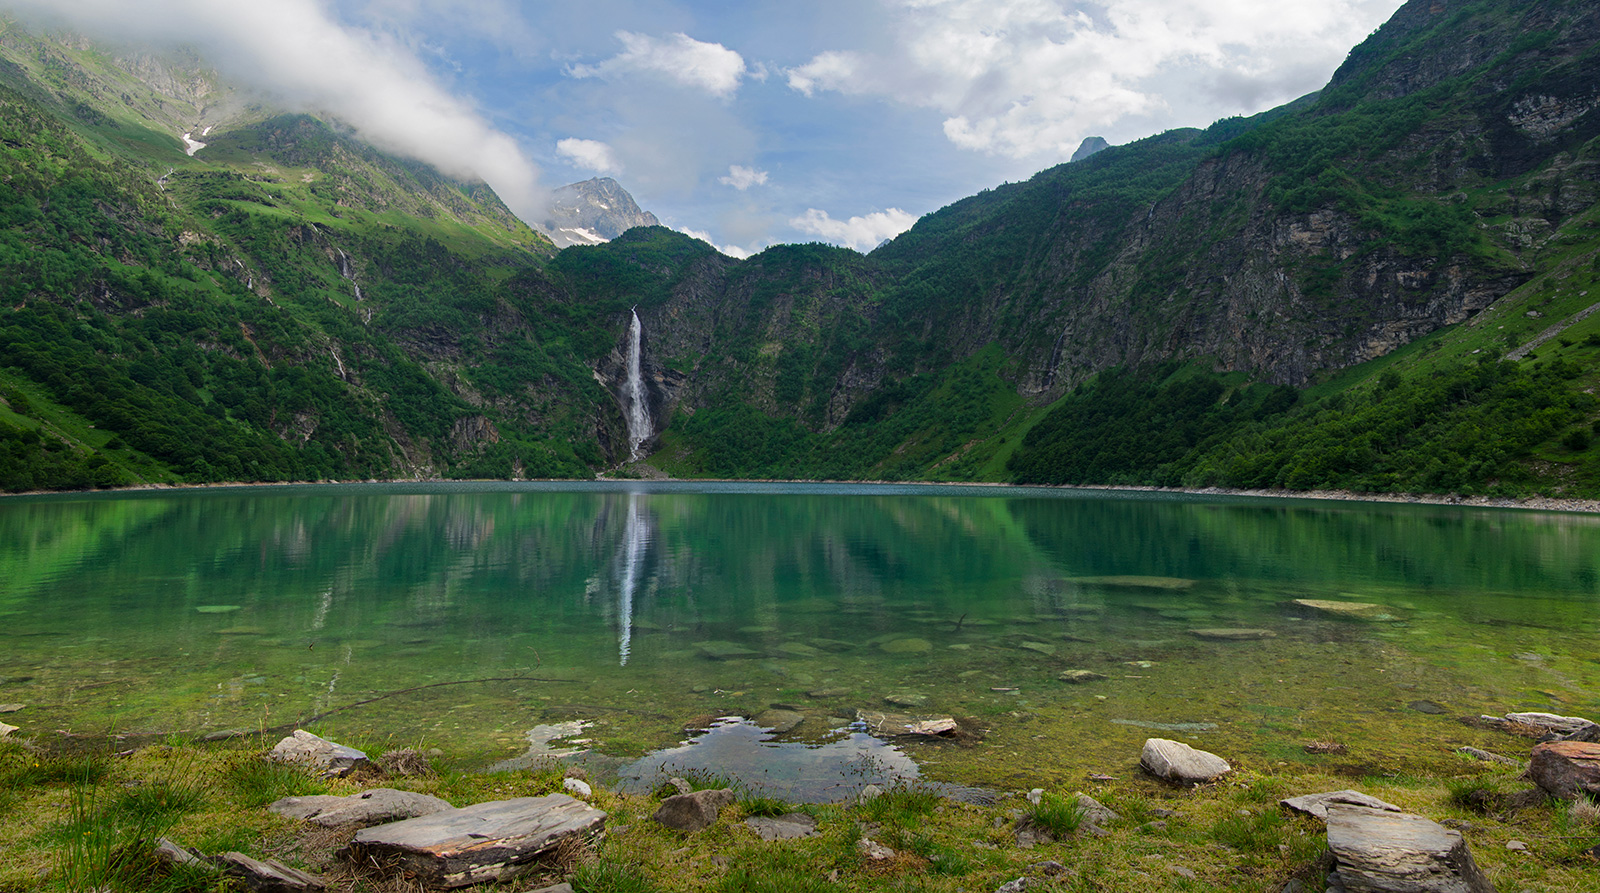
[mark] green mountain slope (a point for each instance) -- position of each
(286, 304)
(1383, 286)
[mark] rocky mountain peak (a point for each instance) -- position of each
(1090, 146)
(592, 212)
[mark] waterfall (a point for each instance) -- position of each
(344, 270)
(635, 538)
(637, 402)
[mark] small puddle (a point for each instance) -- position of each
(829, 771)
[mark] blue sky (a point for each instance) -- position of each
(753, 123)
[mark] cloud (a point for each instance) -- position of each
(733, 251)
(711, 67)
(297, 54)
(742, 178)
(1032, 78)
(832, 70)
(861, 233)
(590, 155)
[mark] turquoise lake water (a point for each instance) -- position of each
(460, 616)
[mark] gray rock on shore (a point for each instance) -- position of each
(1179, 763)
(492, 841)
(373, 807)
(693, 811)
(1376, 851)
(335, 760)
(1566, 769)
(1317, 804)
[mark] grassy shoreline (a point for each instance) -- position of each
(67, 820)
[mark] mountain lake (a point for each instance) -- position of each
(617, 622)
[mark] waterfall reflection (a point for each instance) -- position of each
(627, 569)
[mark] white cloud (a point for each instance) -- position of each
(861, 233)
(691, 63)
(742, 178)
(302, 58)
(1032, 78)
(832, 70)
(590, 155)
(733, 251)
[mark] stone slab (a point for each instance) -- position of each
(1317, 804)
(491, 841)
(270, 876)
(373, 807)
(892, 725)
(1376, 851)
(783, 827)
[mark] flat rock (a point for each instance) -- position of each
(172, 854)
(1566, 768)
(491, 841)
(1096, 815)
(372, 807)
(1078, 677)
(1233, 635)
(1564, 728)
(1041, 647)
(1177, 762)
(906, 699)
(1488, 757)
(911, 645)
(12, 708)
(1130, 581)
(779, 721)
(873, 850)
(784, 827)
(799, 649)
(693, 811)
(889, 725)
(1376, 851)
(1317, 804)
(6, 730)
(303, 747)
(725, 650)
(577, 787)
(1347, 610)
(270, 876)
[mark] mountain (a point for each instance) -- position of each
(592, 212)
(1386, 285)
(1090, 146)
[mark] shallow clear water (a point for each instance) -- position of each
(472, 613)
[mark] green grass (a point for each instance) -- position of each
(1056, 814)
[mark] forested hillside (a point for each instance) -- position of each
(1382, 286)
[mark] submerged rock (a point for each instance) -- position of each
(1129, 581)
(906, 699)
(1041, 647)
(1376, 850)
(1347, 610)
(779, 721)
(1078, 677)
(693, 811)
(725, 650)
(334, 760)
(1233, 635)
(491, 841)
(905, 646)
(1177, 762)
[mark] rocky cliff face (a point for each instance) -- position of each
(1424, 184)
(592, 212)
